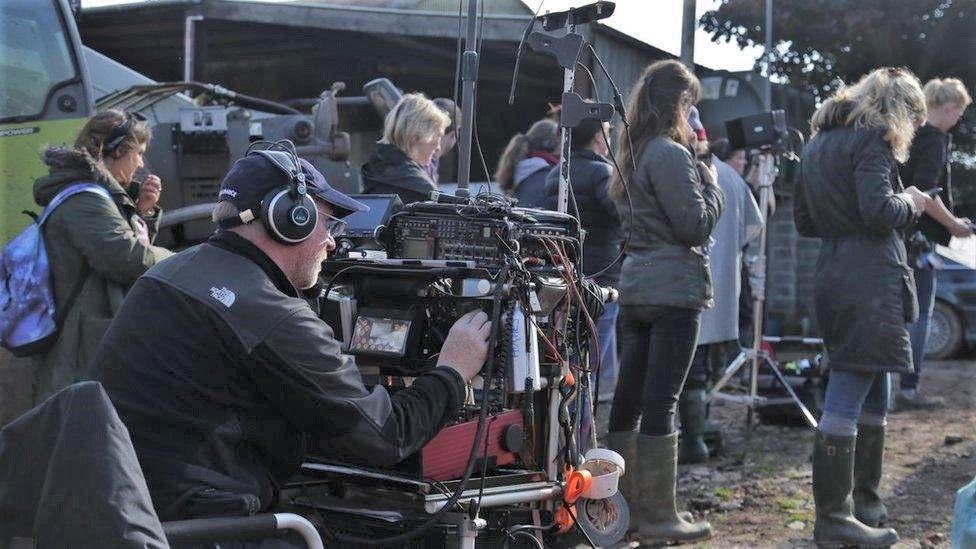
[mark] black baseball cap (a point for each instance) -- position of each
(254, 175)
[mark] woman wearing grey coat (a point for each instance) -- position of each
(664, 285)
(851, 198)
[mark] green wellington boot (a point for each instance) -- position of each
(657, 520)
(625, 444)
(868, 460)
(833, 481)
(693, 411)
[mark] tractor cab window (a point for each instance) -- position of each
(35, 56)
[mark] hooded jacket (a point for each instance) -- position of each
(864, 291)
(530, 182)
(391, 171)
(92, 242)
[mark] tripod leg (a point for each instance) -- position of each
(730, 371)
(811, 421)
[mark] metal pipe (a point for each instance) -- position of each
(768, 90)
(189, 41)
(688, 25)
(538, 491)
(469, 76)
(301, 525)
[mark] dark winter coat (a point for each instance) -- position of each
(391, 171)
(864, 291)
(675, 210)
(237, 371)
(927, 168)
(590, 175)
(91, 239)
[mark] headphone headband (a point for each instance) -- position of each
(118, 134)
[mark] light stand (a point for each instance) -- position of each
(756, 355)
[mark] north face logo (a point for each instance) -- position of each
(223, 295)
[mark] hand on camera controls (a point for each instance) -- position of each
(466, 345)
(920, 200)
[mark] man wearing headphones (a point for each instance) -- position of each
(221, 370)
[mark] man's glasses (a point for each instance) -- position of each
(335, 226)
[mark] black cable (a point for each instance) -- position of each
(578, 527)
(535, 541)
(518, 53)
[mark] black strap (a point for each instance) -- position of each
(61, 315)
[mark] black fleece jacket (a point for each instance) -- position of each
(220, 370)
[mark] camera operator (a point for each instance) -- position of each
(220, 369)
(851, 198)
(664, 286)
(718, 334)
(927, 168)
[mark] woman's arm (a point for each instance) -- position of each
(881, 209)
(691, 204)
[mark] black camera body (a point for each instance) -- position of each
(758, 131)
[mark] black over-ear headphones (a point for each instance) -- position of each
(287, 213)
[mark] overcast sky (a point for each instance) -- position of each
(657, 22)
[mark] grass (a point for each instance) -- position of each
(723, 493)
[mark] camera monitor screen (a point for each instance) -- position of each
(381, 206)
(380, 335)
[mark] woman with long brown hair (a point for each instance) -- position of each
(97, 247)
(526, 161)
(664, 286)
(851, 198)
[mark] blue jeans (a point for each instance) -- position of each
(606, 329)
(919, 331)
(852, 398)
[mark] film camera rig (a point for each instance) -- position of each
(518, 433)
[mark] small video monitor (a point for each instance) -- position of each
(381, 206)
(379, 333)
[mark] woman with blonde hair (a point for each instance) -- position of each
(526, 161)
(851, 198)
(664, 286)
(928, 168)
(97, 246)
(412, 132)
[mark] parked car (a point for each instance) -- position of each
(953, 325)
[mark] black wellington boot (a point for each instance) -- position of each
(868, 461)
(657, 520)
(833, 482)
(693, 411)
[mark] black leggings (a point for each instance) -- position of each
(657, 346)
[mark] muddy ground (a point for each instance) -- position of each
(758, 493)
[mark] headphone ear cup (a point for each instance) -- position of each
(287, 220)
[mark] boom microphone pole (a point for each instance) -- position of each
(469, 77)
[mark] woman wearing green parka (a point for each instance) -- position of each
(96, 247)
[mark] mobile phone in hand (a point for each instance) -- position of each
(933, 192)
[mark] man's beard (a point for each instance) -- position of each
(307, 269)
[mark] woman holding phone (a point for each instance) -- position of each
(851, 198)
